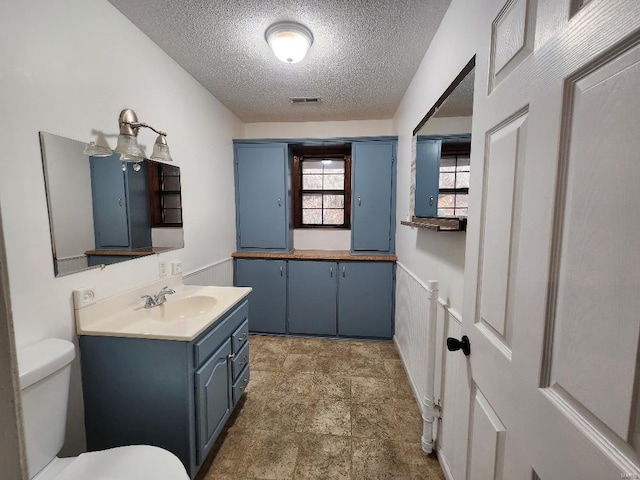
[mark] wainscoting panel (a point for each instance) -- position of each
(218, 274)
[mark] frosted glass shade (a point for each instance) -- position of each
(94, 150)
(129, 149)
(289, 41)
(161, 152)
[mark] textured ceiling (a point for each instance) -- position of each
(364, 54)
(459, 103)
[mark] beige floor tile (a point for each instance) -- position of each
(379, 459)
(283, 414)
(379, 390)
(247, 412)
(268, 361)
(329, 417)
(421, 466)
(270, 344)
(292, 385)
(273, 455)
(323, 457)
(331, 387)
(262, 381)
(333, 365)
(360, 366)
(371, 421)
(299, 363)
(231, 456)
(395, 368)
(308, 345)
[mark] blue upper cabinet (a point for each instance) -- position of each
(427, 177)
(262, 197)
(120, 204)
(312, 297)
(372, 198)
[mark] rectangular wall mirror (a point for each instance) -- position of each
(104, 211)
(441, 158)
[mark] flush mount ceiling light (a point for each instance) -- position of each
(289, 41)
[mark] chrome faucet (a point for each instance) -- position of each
(158, 299)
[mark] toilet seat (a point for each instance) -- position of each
(136, 462)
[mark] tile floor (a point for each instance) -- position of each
(323, 409)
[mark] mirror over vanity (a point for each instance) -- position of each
(440, 162)
(103, 210)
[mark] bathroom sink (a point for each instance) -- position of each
(179, 308)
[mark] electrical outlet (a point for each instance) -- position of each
(84, 297)
(162, 268)
(176, 267)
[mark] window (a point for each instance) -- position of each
(453, 194)
(164, 195)
(322, 188)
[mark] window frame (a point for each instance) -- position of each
(299, 157)
(451, 149)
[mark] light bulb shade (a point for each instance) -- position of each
(94, 150)
(161, 150)
(129, 149)
(289, 41)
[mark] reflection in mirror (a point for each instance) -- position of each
(104, 211)
(441, 157)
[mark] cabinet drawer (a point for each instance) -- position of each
(240, 336)
(240, 384)
(222, 329)
(240, 360)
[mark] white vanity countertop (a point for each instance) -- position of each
(184, 316)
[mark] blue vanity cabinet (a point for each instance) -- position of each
(268, 278)
(372, 197)
(365, 299)
(312, 297)
(262, 197)
(172, 394)
(427, 177)
(121, 215)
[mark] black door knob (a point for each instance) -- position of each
(454, 344)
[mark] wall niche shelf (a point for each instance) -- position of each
(438, 224)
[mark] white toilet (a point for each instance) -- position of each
(44, 381)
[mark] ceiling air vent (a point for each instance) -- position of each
(303, 100)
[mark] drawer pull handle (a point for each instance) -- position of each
(344, 272)
(281, 271)
(331, 272)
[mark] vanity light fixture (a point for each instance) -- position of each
(289, 41)
(128, 146)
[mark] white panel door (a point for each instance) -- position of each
(552, 280)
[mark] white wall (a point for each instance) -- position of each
(69, 67)
(320, 239)
(446, 126)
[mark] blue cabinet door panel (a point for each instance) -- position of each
(427, 177)
(261, 193)
(365, 299)
(213, 398)
(312, 297)
(109, 202)
(268, 278)
(372, 197)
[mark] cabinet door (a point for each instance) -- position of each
(261, 196)
(109, 202)
(312, 297)
(213, 398)
(138, 212)
(268, 278)
(365, 299)
(372, 196)
(427, 177)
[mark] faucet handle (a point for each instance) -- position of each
(150, 301)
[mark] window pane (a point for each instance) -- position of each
(312, 182)
(172, 216)
(462, 180)
(448, 162)
(446, 201)
(333, 166)
(333, 217)
(461, 212)
(333, 201)
(311, 200)
(445, 212)
(464, 161)
(447, 180)
(334, 182)
(311, 216)
(312, 166)
(462, 200)
(171, 183)
(171, 200)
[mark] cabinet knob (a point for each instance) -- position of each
(232, 356)
(359, 201)
(344, 272)
(281, 271)
(431, 200)
(331, 272)
(120, 202)
(279, 202)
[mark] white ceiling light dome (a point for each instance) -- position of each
(289, 41)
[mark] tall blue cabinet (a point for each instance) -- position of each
(262, 197)
(372, 198)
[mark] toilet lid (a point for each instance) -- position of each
(136, 462)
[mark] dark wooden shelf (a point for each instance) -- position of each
(438, 224)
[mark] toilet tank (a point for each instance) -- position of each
(44, 383)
